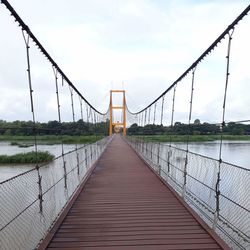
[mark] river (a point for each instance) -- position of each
(7, 171)
(234, 152)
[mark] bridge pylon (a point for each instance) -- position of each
(112, 123)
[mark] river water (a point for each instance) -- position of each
(7, 171)
(234, 152)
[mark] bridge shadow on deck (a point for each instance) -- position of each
(124, 205)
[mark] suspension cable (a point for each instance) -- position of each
(80, 100)
(145, 120)
(149, 113)
(74, 120)
(189, 133)
(190, 109)
(162, 106)
(217, 186)
(40, 194)
(154, 112)
(25, 28)
(172, 114)
(58, 101)
(200, 58)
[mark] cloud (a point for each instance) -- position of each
(145, 44)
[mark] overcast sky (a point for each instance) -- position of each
(139, 45)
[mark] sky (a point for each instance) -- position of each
(139, 45)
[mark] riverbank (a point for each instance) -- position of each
(194, 138)
(50, 139)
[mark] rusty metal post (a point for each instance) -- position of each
(124, 115)
(86, 157)
(110, 115)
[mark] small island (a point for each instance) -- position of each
(27, 158)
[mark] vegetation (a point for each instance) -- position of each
(21, 133)
(193, 138)
(21, 144)
(195, 128)
(30, 157)
(79, 128)
(196, 131)
(27, 141)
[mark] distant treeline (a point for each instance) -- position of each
(53, 128)
(83, 128)
(195, 129)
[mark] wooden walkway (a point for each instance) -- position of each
(124, 205)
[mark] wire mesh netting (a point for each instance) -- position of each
(25, 216)
(199, 187)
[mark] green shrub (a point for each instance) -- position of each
(30, 157)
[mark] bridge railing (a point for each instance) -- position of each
(32, 201)
(195, 178)
(213, 90)
(23, 224)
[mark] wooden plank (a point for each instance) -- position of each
(169, 233)
(154, 247)
(200, 242)
(133, 229)
(83, 238)
(124, 206)
(169, 247)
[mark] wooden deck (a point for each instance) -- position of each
(124, 205)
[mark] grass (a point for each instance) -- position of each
(50, 139)
(195, 138)
(30, 157)
(21, 144)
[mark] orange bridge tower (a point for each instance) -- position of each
(113, 124)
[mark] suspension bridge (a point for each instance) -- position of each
(125, 191)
